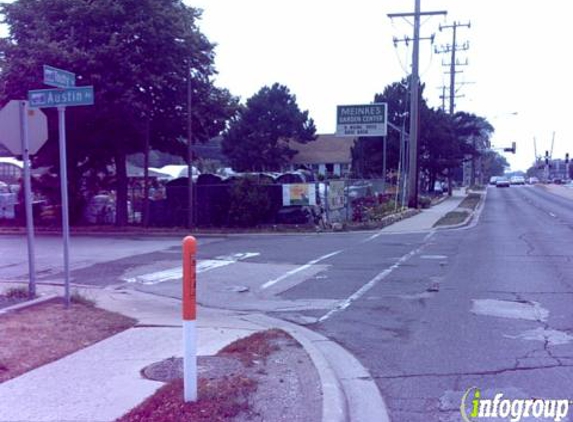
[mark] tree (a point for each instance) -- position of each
(258, 138)
(367, 153)
(138, 54)
(475, 132)
(493, 164)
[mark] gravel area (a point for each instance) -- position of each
(287, 384)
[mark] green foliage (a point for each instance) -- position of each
(424, 202)
(443, 141)
(249, 203)
(77, 297)
(372, 208)
(258, 139)
(138, 55)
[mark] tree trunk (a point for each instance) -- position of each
(121, 187)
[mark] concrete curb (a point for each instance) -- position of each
(27, 304)
(349, 392)
(467, 223)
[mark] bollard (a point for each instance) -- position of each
(189, 320)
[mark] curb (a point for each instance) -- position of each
(349, 392)
(467, 222)
(27, 304)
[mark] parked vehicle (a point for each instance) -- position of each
(8, 201)
(493, 180)
(517, 180)
(533, 180)
(502, 182)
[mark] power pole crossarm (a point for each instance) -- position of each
(452, 49)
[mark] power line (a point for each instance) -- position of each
(454, 63)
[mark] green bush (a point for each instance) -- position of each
(424, 202)
(249, 203)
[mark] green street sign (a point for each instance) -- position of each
(67, 97)
(58, 78)
(362, 120)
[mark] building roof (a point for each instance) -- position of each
(325, 149)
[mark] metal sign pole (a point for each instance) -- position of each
(28, 198)
(64, 188)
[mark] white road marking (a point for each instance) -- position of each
(298, 269)
(552, 215)
(381, 276)
(203, 265)
(433, 257)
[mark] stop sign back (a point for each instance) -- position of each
(10, 128)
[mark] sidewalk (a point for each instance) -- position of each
(102, 382)
(425, 220)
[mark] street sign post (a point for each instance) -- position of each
(58, 78)
(362, 120)
(64, 95)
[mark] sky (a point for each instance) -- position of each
(337, 52)
(342, 52)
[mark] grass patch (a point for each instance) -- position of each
(471, 201)
(451, 218)
(78, 298)
(39, 334)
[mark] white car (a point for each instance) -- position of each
(517, 180)
(502, 182)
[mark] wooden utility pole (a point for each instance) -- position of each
(414, 99)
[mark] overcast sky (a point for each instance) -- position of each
(341, 52)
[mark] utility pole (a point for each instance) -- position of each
(414, 98)
(452, 49)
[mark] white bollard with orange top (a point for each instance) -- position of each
(189, 320)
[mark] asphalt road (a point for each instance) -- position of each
(501, 320)
(430, 314)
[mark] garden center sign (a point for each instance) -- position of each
(362, 120)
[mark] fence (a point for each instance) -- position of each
(220, 203)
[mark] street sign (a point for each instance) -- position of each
(76, 96)
(11, 129)
(362, 120)
(58, 78)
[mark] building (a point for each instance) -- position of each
(329, 155)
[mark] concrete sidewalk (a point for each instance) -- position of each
(103, 382)
(425, 220)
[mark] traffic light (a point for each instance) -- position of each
(546, 157)
(566, 158)
(512, 149)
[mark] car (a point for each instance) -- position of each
(493, 180)
(533, 180)
(502, 182)
(517, 180)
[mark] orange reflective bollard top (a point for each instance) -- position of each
(189, 279)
